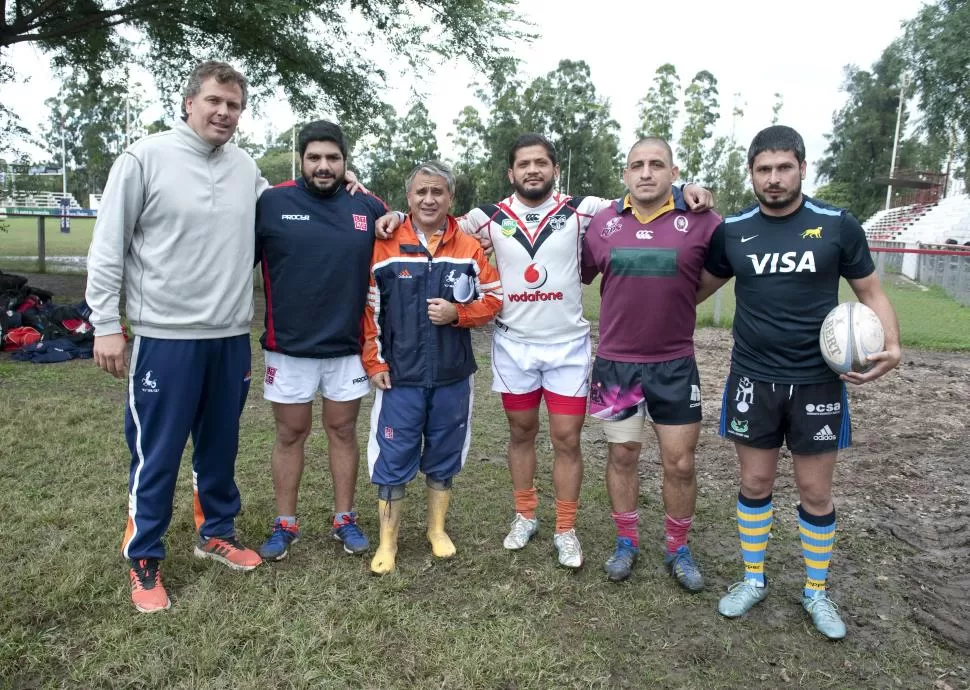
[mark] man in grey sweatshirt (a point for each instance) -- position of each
(176, 228)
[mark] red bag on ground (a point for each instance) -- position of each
(16, 338)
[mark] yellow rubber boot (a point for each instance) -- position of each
(390, 516)
(441, 544)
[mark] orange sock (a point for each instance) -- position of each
(526, 502)
(565, 515)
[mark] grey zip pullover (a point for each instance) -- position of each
(176, 224)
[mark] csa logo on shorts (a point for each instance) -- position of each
(508, 227)
(535, 276)
(270, 375)
(389, 433)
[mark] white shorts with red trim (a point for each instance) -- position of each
(560, 368)
(294, 380)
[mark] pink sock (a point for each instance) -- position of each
(626, 526)
(675, 530)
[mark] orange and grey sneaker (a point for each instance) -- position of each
(228, 551)
(147, 591)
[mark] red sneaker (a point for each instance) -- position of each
(228, 551)
(147, 592)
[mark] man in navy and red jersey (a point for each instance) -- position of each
(541, 343)
(650, 252)
(787, 255)
(315, 242)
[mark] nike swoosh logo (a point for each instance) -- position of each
(745, 239)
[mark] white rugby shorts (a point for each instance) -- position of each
(293, 380)
(561, 368)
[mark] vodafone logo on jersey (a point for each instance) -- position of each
(535, 277)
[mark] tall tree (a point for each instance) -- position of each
(726, 169)
(96, 120)
(470, 166)
(861, 142)
(701, 106)
(658, 111)
(565, 107)
(938, 54)
(733, 190)
(318, 51)
(503, 97)
(412, 140)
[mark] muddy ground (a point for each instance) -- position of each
(906, 475)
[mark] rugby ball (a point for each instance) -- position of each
(850, 333)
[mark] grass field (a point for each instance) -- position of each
(486, 619)
(20, 238)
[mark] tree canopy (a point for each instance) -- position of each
(938, 55)
(319, 52)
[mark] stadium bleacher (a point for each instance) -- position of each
(38, 200)
(949, 218)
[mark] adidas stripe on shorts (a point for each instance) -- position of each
(810, 418)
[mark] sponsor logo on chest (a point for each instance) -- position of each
(783, 262)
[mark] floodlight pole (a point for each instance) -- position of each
(293, 154)
(904, 82)
(63, 160)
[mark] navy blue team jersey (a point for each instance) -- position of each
(786, 272)
(315, 252)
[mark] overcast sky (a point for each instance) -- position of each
(752, 47)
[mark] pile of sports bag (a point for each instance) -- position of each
(34, 329)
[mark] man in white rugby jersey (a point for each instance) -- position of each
(541, 343)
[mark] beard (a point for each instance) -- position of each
(779, 202)
(322, 185)
(534, 194)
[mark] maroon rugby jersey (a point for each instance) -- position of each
(650, 276)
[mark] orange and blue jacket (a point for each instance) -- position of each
(398, 335)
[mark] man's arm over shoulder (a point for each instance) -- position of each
(474, 222)
(591, 260)
(121, 207)
(371, 354)
(717, 267)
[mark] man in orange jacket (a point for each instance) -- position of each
(429, 284)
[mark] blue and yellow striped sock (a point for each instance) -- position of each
(818, 539)
(754, 527)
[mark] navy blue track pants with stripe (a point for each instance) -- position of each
(414, 427)
(178, 388)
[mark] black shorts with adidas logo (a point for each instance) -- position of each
(810, 418)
